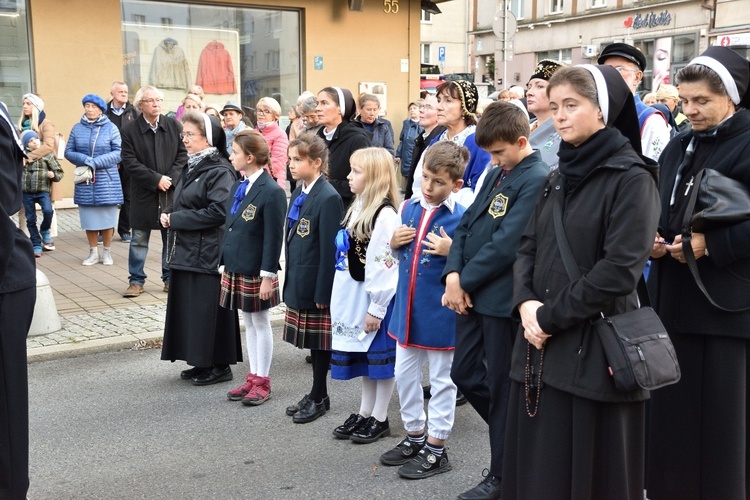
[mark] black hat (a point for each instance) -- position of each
(545, 69)
(232, 106)
(623, 50)
(732, 68)
(616, 102)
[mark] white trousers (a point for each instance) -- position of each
(442, 406)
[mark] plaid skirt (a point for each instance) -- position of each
(308, 328)
(239, 291)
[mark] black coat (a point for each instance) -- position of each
(610, 221)
(146, 157)
(311, 247)
(254, 235)
(420, 145)
(485, 242)
(198, 214)
(127, 116)
(726, 272)
(349, 137)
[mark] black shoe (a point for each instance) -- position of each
(351, 425)
(425, 464)
(291, 410)
(460, 399)
(192, 372)
(402, 453)
(213, 376)
(371, 430)
(426, 391)
(488, 489)
(309, 412)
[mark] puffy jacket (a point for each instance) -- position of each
(97, 145)
(381, 134)
(198, 215)
(278, 143)
(409, 133)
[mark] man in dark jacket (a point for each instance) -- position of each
(121, 112)
(17, 298)
(153, 156)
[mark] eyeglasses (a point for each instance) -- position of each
(188, 135)
(426, 107)
(263, 112)
(152, 101)
(623, 68)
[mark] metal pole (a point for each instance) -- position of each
(505, 44)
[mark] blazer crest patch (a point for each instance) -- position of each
(249, 213)
(303, 228)
(498, 206)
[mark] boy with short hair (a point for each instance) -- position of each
(38, 177)
(478, 275)
(425, 331)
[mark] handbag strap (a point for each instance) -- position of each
(687, 246)
(571, 267)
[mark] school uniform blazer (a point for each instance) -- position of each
(311, 247)
(485, 242)
(254, 235)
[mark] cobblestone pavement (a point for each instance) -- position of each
(93, 313)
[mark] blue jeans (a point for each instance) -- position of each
(138, 253)
(29, 205)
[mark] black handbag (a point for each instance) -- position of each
(638, 349)
(716, 201)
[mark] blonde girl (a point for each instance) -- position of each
(363, 289)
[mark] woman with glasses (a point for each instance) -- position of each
(430, 130)
(380, 129)
(197, 330)
(268, 112)
(95, 143)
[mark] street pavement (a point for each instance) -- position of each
(119, 423)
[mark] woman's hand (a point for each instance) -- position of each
(697, 242)
(531, 329)
(403, 236)
(372, 324)
(164, 220)
(455, 298)
(438, 245)
(266, 288)
(659, 249)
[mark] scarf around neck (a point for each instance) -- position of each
(577, 162)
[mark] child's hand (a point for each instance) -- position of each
(403, 236)
(50, 175)
(438, 245)
(266, 288)
(455, 298)
(372, 324)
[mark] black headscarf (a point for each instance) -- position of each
(732, 68)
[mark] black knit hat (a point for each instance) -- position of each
(732, 68)
(545, 69)
(623, 50)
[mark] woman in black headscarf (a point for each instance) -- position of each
(570, 432)
(698, 444)
(197, 330)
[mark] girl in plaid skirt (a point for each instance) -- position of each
(250, 254)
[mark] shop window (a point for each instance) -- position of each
(15, 59)
(216, 47)
(564, 56)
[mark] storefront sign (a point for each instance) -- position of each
(649, 20)
(736, 39)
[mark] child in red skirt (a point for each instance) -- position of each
(250, 254)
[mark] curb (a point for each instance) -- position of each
(109, 344)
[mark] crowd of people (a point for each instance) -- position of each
(462, 271)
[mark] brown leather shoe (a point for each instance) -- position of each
(134, 290)
(166, 288)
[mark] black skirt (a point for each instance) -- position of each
(574, 448)
(197, 329)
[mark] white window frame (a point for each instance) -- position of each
(556, 6)
(426, 17)
(598, 4)
(520, 8)
(426, 49)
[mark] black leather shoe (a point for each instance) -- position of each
(488, 489)
(192, 372)
(309, 412)
(426, 392)
(371, 430)
(213, 376)
(291, 410)
(353, 423)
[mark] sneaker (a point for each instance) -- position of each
(259, 394)
(125, 237)
(107, 257)
(133, 290)
(402, 453)
(238, 393)
(425, 464)
(37, 252)
(99, 239)
(47, 243)
(92, 259)
(489, 489)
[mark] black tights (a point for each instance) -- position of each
(321, 361)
